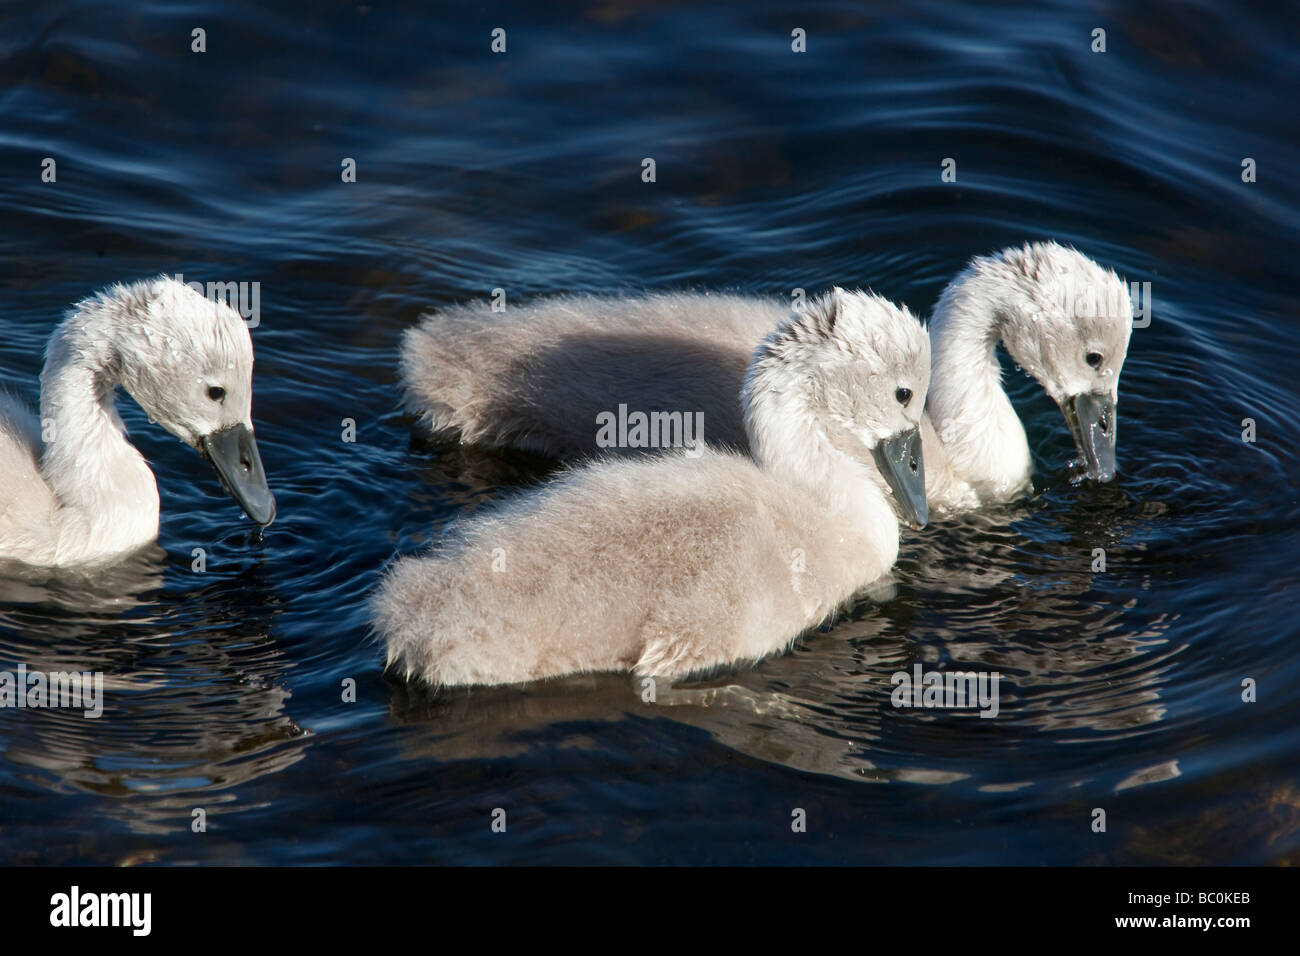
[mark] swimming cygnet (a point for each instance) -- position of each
(76, 491)
(678, 564)
(538, 377)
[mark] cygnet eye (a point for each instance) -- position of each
(904, 395)
(216, 393)
(1093, 359)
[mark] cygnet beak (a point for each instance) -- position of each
(1092, 421)
(899, 459)
(233, 453)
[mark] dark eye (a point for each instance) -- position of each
(904, 395)
(1093, 359)
(216, 393)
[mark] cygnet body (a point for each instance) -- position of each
(678, 564)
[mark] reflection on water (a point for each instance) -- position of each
(194, 697)
(254, 689)
(111, 589)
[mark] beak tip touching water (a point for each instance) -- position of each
(1092, 421)
(233, 454)
(267, 516)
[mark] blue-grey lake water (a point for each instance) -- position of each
(1122, 690)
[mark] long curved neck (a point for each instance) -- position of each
(981, 434)
(108, 496)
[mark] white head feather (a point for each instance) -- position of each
(833, 381)
(1054, 310)
(170, 348)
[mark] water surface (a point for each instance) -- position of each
(1121, 690)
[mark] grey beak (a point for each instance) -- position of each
(1093, 423)
(899, 460)
(233, 453)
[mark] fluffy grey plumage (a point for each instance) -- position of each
(676, 564)
(537, 376)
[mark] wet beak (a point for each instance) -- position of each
(233, 453)
(899, 460)
(1092, 422)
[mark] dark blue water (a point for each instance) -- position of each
(1121, 690)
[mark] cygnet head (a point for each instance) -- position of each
(1066, 321)
(843, 382)
(188, 362)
